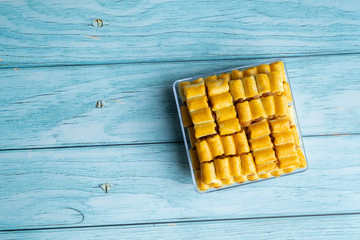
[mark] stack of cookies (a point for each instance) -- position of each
(241, 126)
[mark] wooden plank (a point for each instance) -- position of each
(152, 183)
(61, 32)
(322, 227)
(46, 107)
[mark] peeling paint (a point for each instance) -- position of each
(92, 37)
(342, 109)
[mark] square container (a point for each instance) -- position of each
(186, 136)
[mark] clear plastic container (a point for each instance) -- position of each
(186, 137)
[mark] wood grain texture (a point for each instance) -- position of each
(323, 227)
(152, 183)
(60, 31)
(47, 107)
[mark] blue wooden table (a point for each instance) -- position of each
(58, 150)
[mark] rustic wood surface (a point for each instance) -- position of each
(61, 32)
(56, 106)
(319, 227)
(57, 148)
(152, 183)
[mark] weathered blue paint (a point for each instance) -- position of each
(152, 183)
(326, 227)
(51, 107)
(131, 63)
(60, 32)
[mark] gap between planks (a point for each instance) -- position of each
(182, 222)
(265, 57)
(149, 143)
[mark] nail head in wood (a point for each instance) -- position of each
(105, 187)
(97, 23)
(100, 103)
